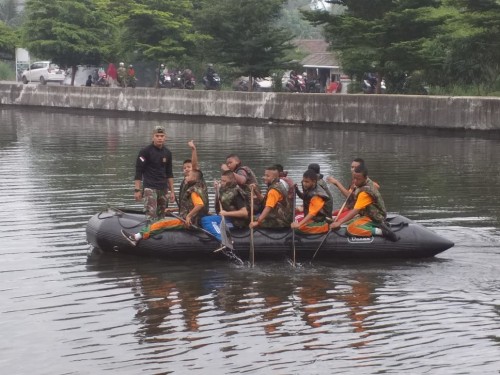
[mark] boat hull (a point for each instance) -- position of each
(416, 241)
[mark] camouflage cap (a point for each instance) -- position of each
(159, 129)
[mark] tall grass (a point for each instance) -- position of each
(7, 71)
(467, 90)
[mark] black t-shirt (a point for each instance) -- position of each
(154, 167)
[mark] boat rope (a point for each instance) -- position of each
(399, 226)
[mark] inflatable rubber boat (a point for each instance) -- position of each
(415, 241)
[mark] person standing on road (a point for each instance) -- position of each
(154, 179)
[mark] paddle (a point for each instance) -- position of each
(334, 220)
(224, 242)
(252, 249)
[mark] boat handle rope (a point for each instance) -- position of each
(119, 213)
(263, 234)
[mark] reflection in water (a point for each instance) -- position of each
(130, 315)
(360, 302)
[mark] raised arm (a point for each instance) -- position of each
(194, 155)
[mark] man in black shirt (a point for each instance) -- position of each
(153, 169)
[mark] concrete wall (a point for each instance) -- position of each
(478, 113)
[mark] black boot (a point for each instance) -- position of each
(388, 233)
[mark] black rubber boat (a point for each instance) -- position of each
(416, 241)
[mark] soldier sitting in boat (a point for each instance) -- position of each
(347, 193)
(286, 181)
(193, 204)
(231, 201)
(367, 218)
(277, 210)
(317, 206)
(187, 166)
(244, 178)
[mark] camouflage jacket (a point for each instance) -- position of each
(186, 203)
(375, 211)
(228, 197)
(326, 211)
(281, 215)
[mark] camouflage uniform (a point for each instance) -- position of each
(352, 198)
(227, 197)
(326, 211)
(155, 200)
(281, 215)
(251, 179)
(186, 203)
(322, 184)
(375, 211)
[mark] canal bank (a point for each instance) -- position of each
(438, 112)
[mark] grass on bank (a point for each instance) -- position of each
(7, 71)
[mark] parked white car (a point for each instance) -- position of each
(43, 72)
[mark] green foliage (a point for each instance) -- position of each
(379, 35)
(440, 42)
(7, 71)
(245, 35)
(291, 19)
(8, 39)
(9, 13)
(469, 46)
(67, 32)
(155, 30)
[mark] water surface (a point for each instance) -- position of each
(63, 312)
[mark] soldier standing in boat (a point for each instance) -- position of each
(154, 180)
(193, 205)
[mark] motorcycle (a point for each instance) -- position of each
(213, 84)
(165, 81)
(176, 79)
(369, 85)
(102, 81)
(313, 86)
(188, 80)
(131, 81)
(296, 84)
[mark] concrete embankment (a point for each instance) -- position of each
(468, 113)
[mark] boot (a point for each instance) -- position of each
(388, 233)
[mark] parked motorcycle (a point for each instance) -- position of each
(165, 81)
(176, 80)
(102, 81)
(131, 81)
(188, 80)
(369, 84)
(213, 84)
(296, 83)
(313, 86)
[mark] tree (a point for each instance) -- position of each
(245, 36)
(9, 13)
(68, 32)
(292, 19)
(155, 30)
(380, 36)
(469, 46)
(8, 40)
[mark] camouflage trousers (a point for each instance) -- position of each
(155, 203)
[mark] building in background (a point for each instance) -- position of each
(322, 64)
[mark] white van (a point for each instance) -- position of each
(43, 72)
